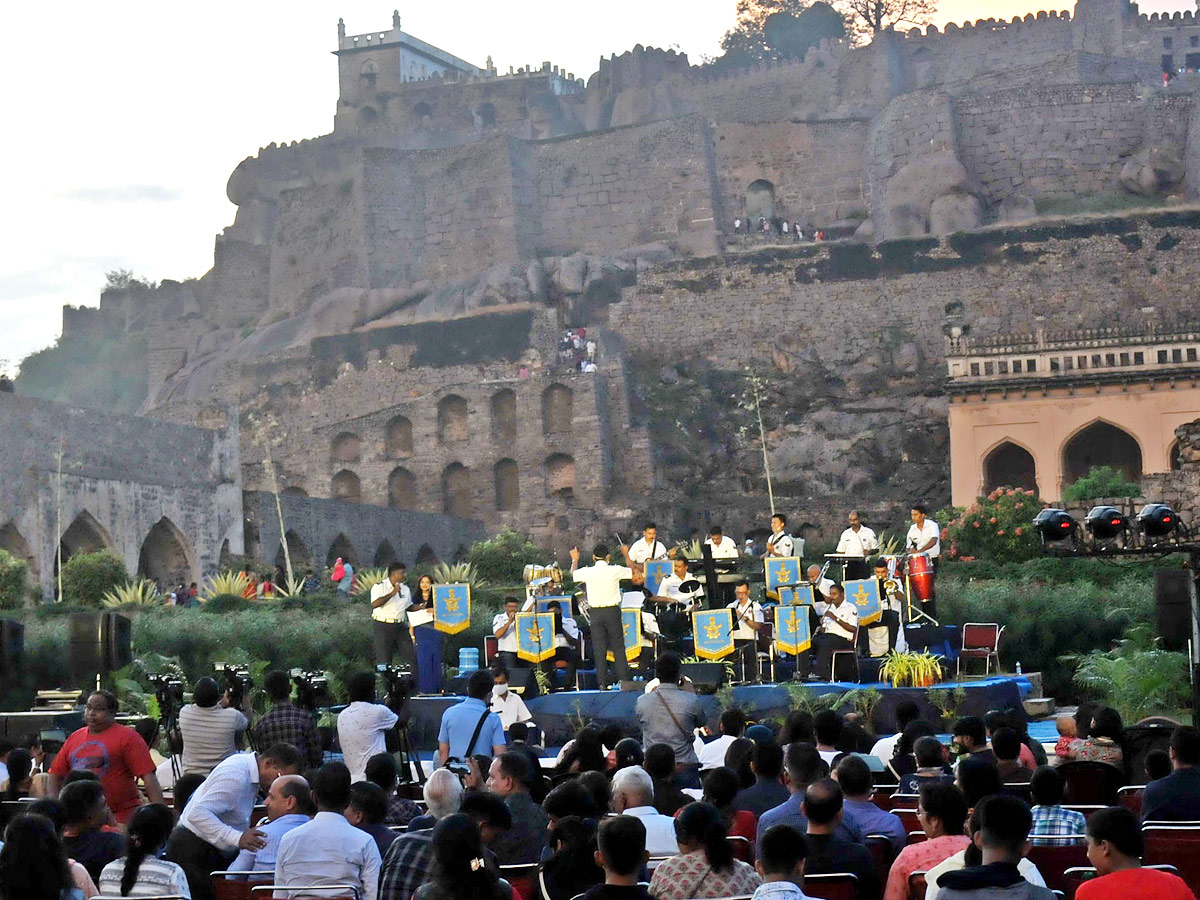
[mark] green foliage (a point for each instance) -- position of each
(222, 603)
(501, 559)
(14, 581)
(87, 577)
(224, 584)
(1082, 204)
(120, 279)
(366, 579)
(87, 370)
(1136, 678)
(997, 528)
(778, 29)
(135, 593)
(458, 573)
(1101, 482)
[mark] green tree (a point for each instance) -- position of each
(502, 559)
(778, 29)
(14, 581)
(1101, 482)
(86, 577)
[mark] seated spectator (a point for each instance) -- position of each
(1003, 835)
(583, 754)
(781, 865)
(970, 738)
(289, 805)
(1067, 733)
(509, 779)
(1006, 746)
(491, 816)
(569, 799)
(477, 772)
(1157, 764)
(381, 770)
(997, 719)
(797, 727)
(885, 748)
(931, 766)
(1176, 798)
(720, 789)
(978, 777)
(141, 873)
(86, 812)
(972, 856)
(628, 752)
(768, 791)
(942, 812)
(33, 865)
(669, 798)
(855, 736)
(53, 810)
(705, 866)
(406, 865)
(760, 733)
(366, 811)
(1114, 847)
(827, 728)
(854, 777)
(1103, 743)
(738, 758)
(621, 843)
(731, 725)
(519, 734)
(802, 766)
(633, 795)
(904, 760)
(596, 784)
(458, 871)
(828, 853)
(1050, 820)
(571, 867)
(20, 775)
(184, 788)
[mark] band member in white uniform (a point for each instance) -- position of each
(603, 584)
(780, 542)
(924, 536)
(892, 602)
(839, 630)
(722, 547)
(566, 646)
(674, 619)
(648, 546)
(860, 541)
(504, 627)
(821, 588)
(748, 621)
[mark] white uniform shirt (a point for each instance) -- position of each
(510, 708)
(784, 546)
(821, 595)
(727, 549)
(508, 641)
(362, 729)
(569, 628)
(669, 587)
(712, 754)
(640, 551)
(847, 612)
(753, 611)
(603, 583)
(919, 535)
(858, 543)
(394, 609)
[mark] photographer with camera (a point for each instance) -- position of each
(210, 725)
(286, 723)
(471, 725)
(362, 726)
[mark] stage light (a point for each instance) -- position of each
(1106, 523)
(1055, 525)
(1157, 520)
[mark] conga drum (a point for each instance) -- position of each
(920, 576)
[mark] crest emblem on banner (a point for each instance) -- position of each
(564, 601)
(535, 636)
(800, 594)
(631, 630)
(864, 594)
(452, 607)
(656, 571)
(713, 631)
(782, 570)
(793, 629)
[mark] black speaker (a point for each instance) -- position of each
(118, 641)
(1173, 607)
(99, 642)
(706, 676)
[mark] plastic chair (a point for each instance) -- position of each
(742, 848)
(980, 640)
(522, 877)
(909, 819)
(1130, 797)
(319, 889)
(834, 886)
(1052, 862)
(903, 801)
(1175, 846)
(881, 853)
(916, 837)
(491, 647)
(917, 886)
(239, 890)
(1090, 782)
(833, 664)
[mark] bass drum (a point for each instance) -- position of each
(920, 576)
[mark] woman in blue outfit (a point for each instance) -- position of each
(428, 640)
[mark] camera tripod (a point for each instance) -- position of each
(411, 770)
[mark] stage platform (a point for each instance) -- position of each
(560, 715)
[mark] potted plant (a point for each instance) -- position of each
(911, 669)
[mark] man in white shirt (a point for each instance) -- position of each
(673, 618)
(648, 546)
(924, 536)
(507, 704)
(722, 547)
(566, 645)
(603, 584)
(504, 627)
(748, 621)
(390, 600)
(838, 631)
(732, 725)
(633, 795)
(363, 725)
(820, 587)
(780, 543)
(328, 850)
(858, 541)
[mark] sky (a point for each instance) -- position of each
(125, 119)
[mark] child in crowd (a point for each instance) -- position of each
(1067, 732)
(622, 855)
(1158, 765)
(781, 865)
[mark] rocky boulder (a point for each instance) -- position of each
(1151, 171)
(955, 212)
(1016, 208)
(912, 190)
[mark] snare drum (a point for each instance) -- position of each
(920, 576)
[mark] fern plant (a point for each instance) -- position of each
(1136, 678)
(136, 593)
(224, 584)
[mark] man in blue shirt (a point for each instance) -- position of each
(854, 777)
(471, 717)
(802, 766)
(289, 805)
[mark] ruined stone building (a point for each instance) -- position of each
(393, 292)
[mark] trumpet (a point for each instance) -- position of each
(891, 587)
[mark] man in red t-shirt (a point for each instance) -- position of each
(116, 753)
(1114, 847)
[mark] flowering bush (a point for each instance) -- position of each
(997, 528)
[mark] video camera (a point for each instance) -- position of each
(312, 689)
(237, 682)
(400, 685)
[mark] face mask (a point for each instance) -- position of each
(499, 690)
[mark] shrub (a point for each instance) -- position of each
(86, 577)
(997, 528)
(1135, 678)
(501, 559)
(135, 593)
(14, 581)
(1100, 482)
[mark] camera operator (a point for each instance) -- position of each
(287, 724)
(363, 725)
(210, 728)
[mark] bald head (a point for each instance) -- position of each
(823, 806)
(814, 572)
(288, 795)
(443, 793)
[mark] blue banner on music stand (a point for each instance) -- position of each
(782, 570)
(713, 631)
(451, 607)
(535, 636)
(564, 601)
(793, 629)
(631, 631)
(793, 596)
(864, 594)
(656, 571)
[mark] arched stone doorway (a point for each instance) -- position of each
(84, 535)
(342, 547)
(451, 419)
(558, 409)
(1173, 457)
(504, 416)
(298, 551)
(398, 437)
(1101, 444)
(346, 486)
(760, 200)
(456, 490)
(385, 555)
(165, 557)
(1009, 465)
(346, 447)
(560, 475)
(507, 484)
(14, 542)
(426, 556)
(402, 489)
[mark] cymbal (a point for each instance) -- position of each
(690, 586)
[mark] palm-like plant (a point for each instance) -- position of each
(458, 573)
(136, 593)
(1136, 678)
(912, 669)
(367, 579)
(224, 584)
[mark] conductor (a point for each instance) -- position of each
(603, 584)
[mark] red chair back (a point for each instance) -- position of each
(1091, 783)
(1130, 797)
(1086, 809)
(908, 817)
(1074, 877)
(917, 886)
(742, 848)
(491, 646)
(1178, 847)
(1052, 862)
(903, 801)
(232, 890)
(882, 799)
(881, 854)
(916, 837)
(835, 886)
(980, 636)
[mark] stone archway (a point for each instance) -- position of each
(504, 416)
(346, 486)
(402, 489)
(165, 557)
(14, 542)
(426, 556)
(760, 200)
(298, 551)
(452, 420)
(560, 475)
(1101, 444)
(507, 484)
(456, 490)
(342, 547)
(225, 557)
(84, 535)
(1174, 460)
(346, 447)
(398, 437)
(385, 555)
(558, 409)
(1009, 465)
